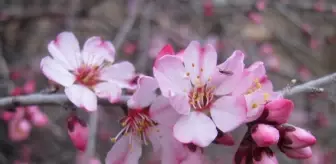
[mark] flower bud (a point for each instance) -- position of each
(78, 132)
(298, 138)
(302, 153)
(38, 118)
(279, 110)
(19, 128)
(265, 135)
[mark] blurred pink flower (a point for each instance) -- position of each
(304, 73)
(18, 127)
(129, 48)
(38, 118)
(78, 132)
(88, 73)
(266, 49)
(261, 4)
(265, 135)
(255, 17)
(29, 86)
(150, 119)
(190, 81)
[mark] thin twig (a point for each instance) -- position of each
(91, 145)
(311, 85)
(127, 26)
(44, 99)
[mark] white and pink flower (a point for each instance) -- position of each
(150, 118)
(86, 73)
(193, 82)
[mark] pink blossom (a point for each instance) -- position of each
(29, 86)
(260, 4)
(150, 119)
(86, 73)
(19, 128)
(298, 138)
(265, 135)
(190, 81)
(255, 17)
(304, 73)
(38, 118)
(301, 153)
(78, 132)
(279, 110)
(266, 49)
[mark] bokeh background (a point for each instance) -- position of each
(295, 39)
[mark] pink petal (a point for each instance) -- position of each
(97, 46)
(193, 62)
(119, 73)
(208, 63)
(180, 103)
(171, 75)
(55, 72)
(65, 48)
(302, 153)
(144, 94)
(162, 112)
(255, 103)
(165, 146)
(82, 97)
(166, 50)
(195, 128)
(228, 112)
(110, 91)
(125, 151)
(227, 83)
(265, 135)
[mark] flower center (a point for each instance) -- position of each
(200, 98)
(136, 122)
(87, 75)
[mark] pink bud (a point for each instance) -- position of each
(298, 138)
(78, 132)
(266, 48)
(129, 48)
(29, 86)
(225, 139)
(265, 158)
(279, 110)
(302, 153)
(16, 91)
(6, 116)
(265, 135)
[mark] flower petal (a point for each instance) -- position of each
(127, 150)
(228, 112)
(192, 62)
(162, 112)
(208, 63)
(172, 75)
(197, 128)
(55, 72)
(166, 50)
(119, 73)
(234, 67)
(144, 94)
(180, 103)
(255, 103)
(82, 97)
(66, 49)
(97, 46)
(111, 91)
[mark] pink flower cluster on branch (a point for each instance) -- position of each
(199, 103)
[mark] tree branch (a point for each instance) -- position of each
(44, 99)
(91, 145)
(311, 85)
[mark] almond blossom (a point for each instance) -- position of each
(193, 82)
(150, 119)
(86, 73)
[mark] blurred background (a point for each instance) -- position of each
(295, 40)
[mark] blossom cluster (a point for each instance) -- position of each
(189, 103)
